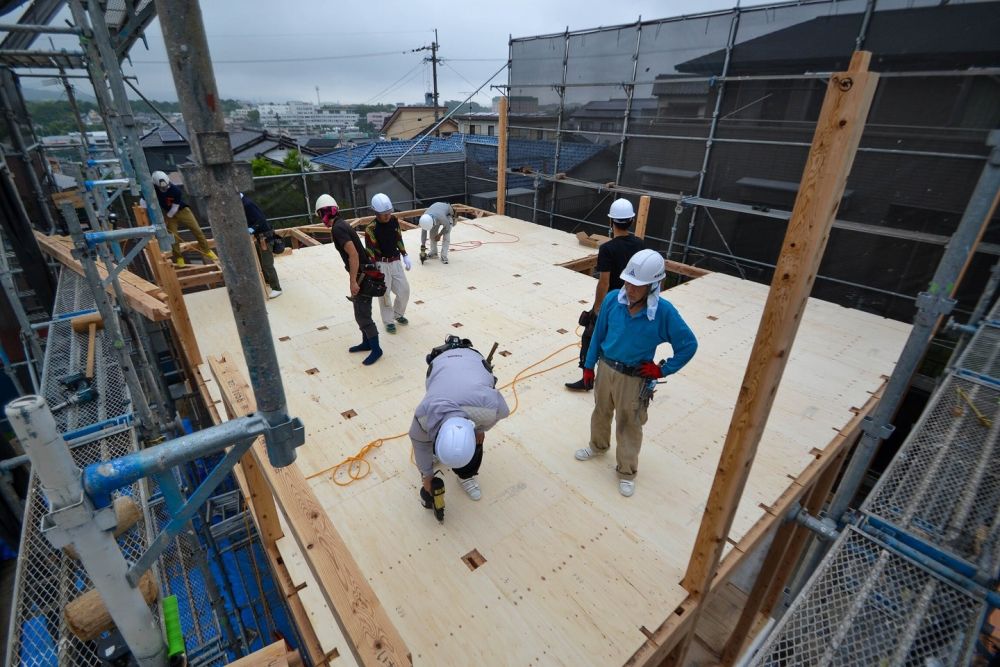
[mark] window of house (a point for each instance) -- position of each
(489, 130)
(472, 129)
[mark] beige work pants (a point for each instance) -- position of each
(186, 217)
(617, 395)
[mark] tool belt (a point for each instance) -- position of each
(625, 369)
(372, 282)
(455, 343)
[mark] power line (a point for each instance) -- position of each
(398, 81)
(352, 56)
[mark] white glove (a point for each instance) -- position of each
(407, 263)
(173, 211)
(250, 229)
(142, 202)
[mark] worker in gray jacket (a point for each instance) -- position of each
(437, 221)
(451, 421)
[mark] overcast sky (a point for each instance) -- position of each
(298, 45)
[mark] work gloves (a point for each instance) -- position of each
(173, 211)
(407, 263)
(650, 370)
(588, 378)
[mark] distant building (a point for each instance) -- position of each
(301, 117)
(478, 122)
(410, 122)
(377, 118)
(166, 149)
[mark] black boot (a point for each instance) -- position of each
(579, 385)
(363, 346)
(376, 351)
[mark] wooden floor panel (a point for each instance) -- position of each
(572, 570)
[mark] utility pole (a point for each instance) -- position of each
(317, 96)
(433, 48)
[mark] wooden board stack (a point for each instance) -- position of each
(565, 570)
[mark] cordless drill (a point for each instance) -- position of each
(423, 253)
(435, 499)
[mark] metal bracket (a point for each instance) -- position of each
(282, 439)
(935, 305)
(58, 525)
(878, 431)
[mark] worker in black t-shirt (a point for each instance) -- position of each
(355, 257)
(612, 257)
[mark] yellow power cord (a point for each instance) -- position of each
(356, 467)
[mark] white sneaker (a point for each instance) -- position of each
(275, 293)
(471, 487)
(626, 487)
(586, 454)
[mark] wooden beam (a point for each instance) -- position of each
(139, 293)
(668, 634)
(212, 278)
(776, 569)
(375, 641)
(838, 132)
(684, 269)
(303, 238)
(277, 654)
(502, 156)
(641, 216)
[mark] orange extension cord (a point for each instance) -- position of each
(357, 467)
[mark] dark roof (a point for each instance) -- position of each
(614, 108)
(322, 144)
(942, 37)
(165, 136)
(359, 157)
(538, 155)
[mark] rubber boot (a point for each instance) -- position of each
(376, 351)
(363, 346)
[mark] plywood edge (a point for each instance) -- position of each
(374, 639)
(661, 641)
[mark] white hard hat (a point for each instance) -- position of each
(426, 222)
(621, 209)
(456, 442)
(381, 203)
(645, 268)
(325, 201)
(159, 176)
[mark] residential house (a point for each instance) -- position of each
(411, 122)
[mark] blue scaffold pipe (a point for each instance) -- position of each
(91, 184)
(93, 238)
(102, 478)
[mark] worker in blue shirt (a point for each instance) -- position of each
(633, 321)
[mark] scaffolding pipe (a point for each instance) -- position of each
(73, 520)
(214, 178)
(19, 144)
(630, 94)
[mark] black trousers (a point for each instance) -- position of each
(588, 333)
(363, 316)
(471, 469)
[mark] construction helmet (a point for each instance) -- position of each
(645, 268)
(426, 222)
(158, 177)
(621, 210)
(456, 442)
(325, 201)
(381, 203)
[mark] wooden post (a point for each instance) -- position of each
(167, 280)
(365, 623)
(835, 142)
(641, 216)
(502, 156)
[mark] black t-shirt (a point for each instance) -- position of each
(614, 255)
(343, 234)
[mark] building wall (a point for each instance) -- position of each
(412, 121)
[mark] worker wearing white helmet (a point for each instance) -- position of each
(437, 222)
(451, 421)
(612, 256)
(384, 239)
(634, 321)
(176, 211)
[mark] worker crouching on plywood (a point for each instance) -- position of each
(633, 322)
(451, 421)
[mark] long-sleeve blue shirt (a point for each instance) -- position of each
(632, 339)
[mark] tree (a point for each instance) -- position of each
(264, 167)
(294, 162)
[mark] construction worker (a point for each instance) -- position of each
(435, 222)
(384, 239)
(177, 211)
(612, 257)
(634, 320)
(451, 421)
(356, 259)
(263, 236)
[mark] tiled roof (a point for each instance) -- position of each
(359, 157)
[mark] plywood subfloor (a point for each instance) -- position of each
(573, 570)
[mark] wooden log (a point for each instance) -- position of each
(365, 623)
(87, 616)
(642, 216)
(835, 142)
(685, 269)
(127, 514)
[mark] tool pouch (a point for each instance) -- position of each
(372, 282)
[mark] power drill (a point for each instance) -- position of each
(435, 499)
(423, 253)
